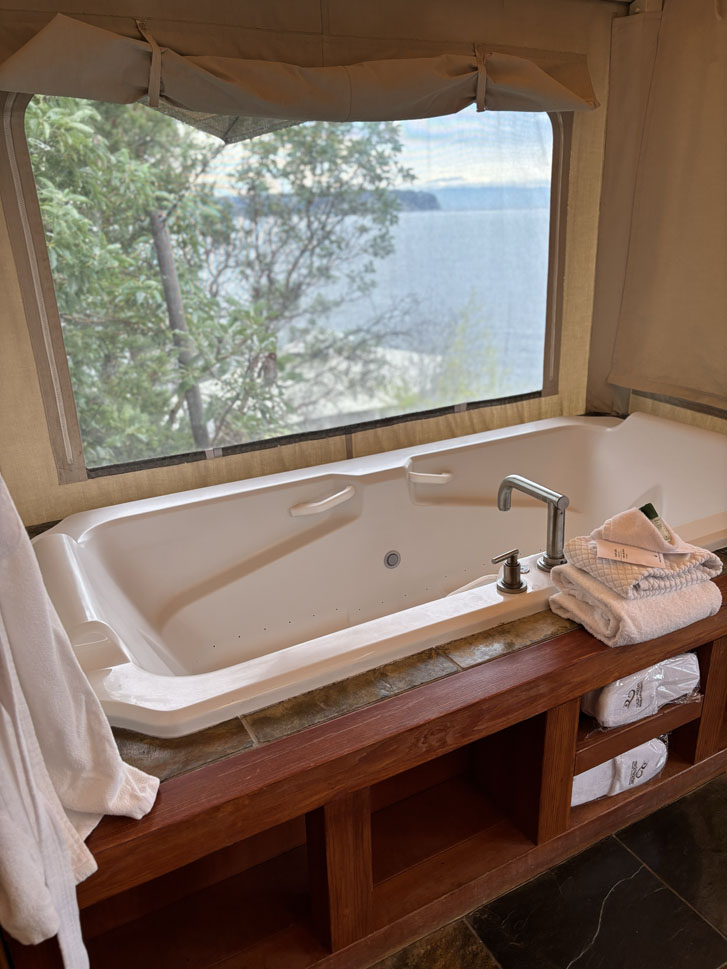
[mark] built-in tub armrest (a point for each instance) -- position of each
(324, 504)
(429, 477)
(94, 642)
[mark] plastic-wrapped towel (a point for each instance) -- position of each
(642, 694)
(683, 564)
(617, 621)
(635, 767)
(60, 768)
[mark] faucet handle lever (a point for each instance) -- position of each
(511, 580)
(513, 555)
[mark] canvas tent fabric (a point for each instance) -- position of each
(76, 59)
(70, 57)
(313, 33)
(660, 315)
(633, 51)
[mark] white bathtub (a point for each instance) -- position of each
(191, 608)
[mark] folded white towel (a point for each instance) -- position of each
(635, 767)
(641, 694)
(60, 767)
(617, 621)
(684, 564)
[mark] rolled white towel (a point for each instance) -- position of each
(641, 694)
(617, 621)
(635, 767)
(683, 564)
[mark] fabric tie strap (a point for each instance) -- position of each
(481, 54)
(155, 71)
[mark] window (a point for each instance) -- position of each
(319, 276)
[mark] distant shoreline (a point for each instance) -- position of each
(455, 198)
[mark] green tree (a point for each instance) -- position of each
(293, 233)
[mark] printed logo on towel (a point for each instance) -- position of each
(636, 771)
(635, 695)
(628, 553)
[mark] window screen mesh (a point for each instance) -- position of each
(317, 276)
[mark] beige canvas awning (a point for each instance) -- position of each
(74, 58)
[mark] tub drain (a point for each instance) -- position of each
(392, 559)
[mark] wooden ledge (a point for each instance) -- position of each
(600, 745)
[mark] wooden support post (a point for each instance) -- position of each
(556, 780)
(340, 869)
(701, 738)
(527, 770)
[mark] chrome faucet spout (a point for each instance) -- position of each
(557, 504)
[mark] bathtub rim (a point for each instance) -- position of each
(80, 524)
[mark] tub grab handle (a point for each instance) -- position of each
(432, 478)
(317, 507)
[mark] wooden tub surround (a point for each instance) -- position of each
(343, 842)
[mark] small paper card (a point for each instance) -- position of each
(628, 553)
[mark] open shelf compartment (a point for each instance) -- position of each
(249, 902)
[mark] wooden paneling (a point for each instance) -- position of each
(268, 907)
(47, 955)
(596, 745)
(427, 823)
(193, 878)
(411, 782)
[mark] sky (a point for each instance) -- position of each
(485, 148)
(466, 149)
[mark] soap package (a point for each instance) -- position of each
(621, 773)
(643, 693)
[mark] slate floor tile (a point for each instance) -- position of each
(452, 947)
(600, 910)
(685, 843)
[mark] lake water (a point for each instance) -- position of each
(471, 282)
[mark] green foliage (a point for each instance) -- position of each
(305, 213)
(98, 180)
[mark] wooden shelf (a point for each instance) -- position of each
(220, 866)
(417, 828)
(675, 765)
(260, 917)
(447, 871)
(594, 745)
